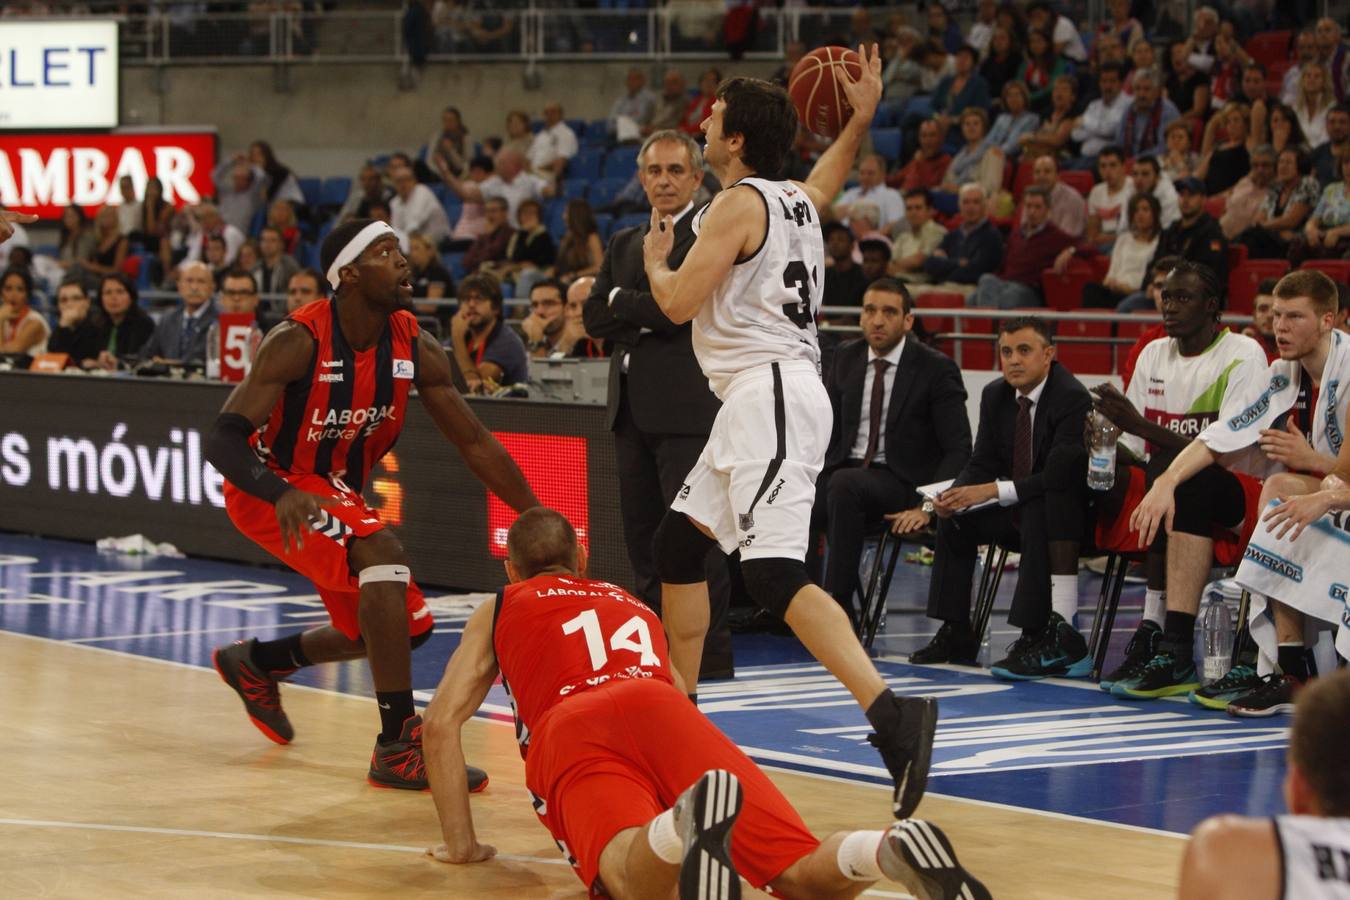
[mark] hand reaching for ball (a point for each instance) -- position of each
(864, 93)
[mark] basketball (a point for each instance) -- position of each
(817, 91)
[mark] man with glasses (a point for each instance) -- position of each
(543, 327)
(305, 286)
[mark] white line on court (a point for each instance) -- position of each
(152, 634)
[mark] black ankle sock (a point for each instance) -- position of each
(395, 708)
(884, 713)
(1179, 629)
(1293, 660)
(693, 698)
(282, 655)
(1032, 632)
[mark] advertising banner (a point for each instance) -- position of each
(58, 74)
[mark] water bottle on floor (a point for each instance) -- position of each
(1101, 440)
(1216, 636)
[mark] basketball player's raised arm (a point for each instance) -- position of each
(831, 170)
(483, 453)
(732, 228)
(462, 690)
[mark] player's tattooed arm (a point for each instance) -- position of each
(462, 690)
(732, 228)
(484, 454)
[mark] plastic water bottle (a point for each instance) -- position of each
(213, 351)
(1216, 637)
(1102, 437)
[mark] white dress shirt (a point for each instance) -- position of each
(515, 192)
(421, 212)
(551, 144)
(865, 418)
(1007, 490)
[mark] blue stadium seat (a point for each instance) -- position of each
(259, 220)
(886, 141)
(310, 188)
(919, 106)
(335, 191)
(537, 126)
(601, 193)
(309, 254)
(443, 193)
(578, 126)
(945, 202)
(597, 133)
(586, 164)
(574, 188)
(604, 221)
(454, 207)
(621, 163)
(454, 263)
(630, 220)
(553, 218)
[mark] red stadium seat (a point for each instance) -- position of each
(1065, 292)
(1216, 205)
(1336, 269)
(1243, 281)
(1275, 71)
(1092, 359)
(976, 355)
(1022, 179)
(1237, 255)
(1079, 180)
(131, 266)
(1269, 46)
(934, 324)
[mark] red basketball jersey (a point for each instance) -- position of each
(559, 635)
(348, 410)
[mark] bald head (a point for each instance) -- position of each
(580, 289)
(541, 540)
(509, 162)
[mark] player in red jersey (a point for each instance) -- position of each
(639, 790)
(325, 399)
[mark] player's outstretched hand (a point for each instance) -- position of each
(865, 93)
(477, 853)
(8, 219)
(297, 511)
(660, 239)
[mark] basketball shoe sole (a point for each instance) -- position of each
(918, 855)
(704, 816)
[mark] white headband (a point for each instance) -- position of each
(364, 238)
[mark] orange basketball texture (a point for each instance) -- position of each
(817, 89)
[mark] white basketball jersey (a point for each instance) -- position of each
(1316, 854)
(765, 310)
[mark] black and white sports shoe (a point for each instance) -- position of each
(704, 816)
(918, 855)
(907, 751)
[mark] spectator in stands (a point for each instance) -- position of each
(1179, 161)
(108, 251)
(123, 327)
(633, 111)
(871, 188)
(1333, 53)
(1158, 270)
(977, 160)
(152, 226)
(1130, 255)
(961, 90)
(471, 222)
(793, 51)
(1281, 129)
(1100, 122)
(929, 164)
(1002, 63)
(215, 257)
(864, 225)
(430, 279)
(239, 295)
(281, 215)
(76, 238)
(876, 258)
(1305, 52)
(519, 137)
(968, 251)
(942, 30)
(128, 208)
(249, 255)
(917, 242)
(1016, 120)
(75, 334)
(1223, 163)
(1314, 99)
(489, 354)
(1284, 208)
(241, 188)
(700, 107)
(1144, 124)
(1187, 87)
(554, 145)
(180, 336)
(1200, 46)
(415, 208)
(542, 329)
(902, 76)
(1143, 58)
(1032, 248)
(204, 222)
(1041, 68)
(449, 147)
(935, 64)
(1324, 158)
(579, 342)
(1106, 200)
(490, 246)
(1262, 328)
(669, 110)
(305, 287)
(1054, 134)
(275, 266)
(1148, 178)
(509, 182)
(1253, 90)
(844, 285)
(22, 328)
(1326, 235)
(580, 251)
(1225, 78)
(281, 181)
(1196, 236)
(530, 252)
(981, 32)
(1249, 195)
(369, 188)
(1068, 43)
(1121, 24)
(1068, 209)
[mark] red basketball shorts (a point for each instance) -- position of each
(323, 558)
(616, 756)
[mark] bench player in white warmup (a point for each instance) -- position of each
(752, 286)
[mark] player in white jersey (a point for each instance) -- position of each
(1301, 856)
(751, 283)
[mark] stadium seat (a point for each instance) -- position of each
(454, 263)
(1080, 180)
(1216, 205)
(1022, 178)
(1084, 358)
(976, 354)
(946, 203)
(630, 220)
(1065, 292)
(939, 324)
(921, 106)
(1243, 281)
(1237, 255)
(310, 188)
(578, 126)
(574, 188)
(597, 134)
(886, 141)
(553, 217)
(604, 221)
(1269, 46)
(1275, 72)
(1336, 269)
(586, 164)
(259, 220)
(601, 193)
(131, 266)
(621, 163)
(334, 192)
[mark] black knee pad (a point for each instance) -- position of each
(420, 639)
(679, 550)
(772, 583)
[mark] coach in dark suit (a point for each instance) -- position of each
(180, 336)
(660, 407)
(899, 422)
(1027, 460)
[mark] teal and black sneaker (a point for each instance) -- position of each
(1142, 647)
(1240, 681)
(1057, 650)
(1167, 674)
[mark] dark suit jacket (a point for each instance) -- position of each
(927, 429)
(667, 391)
(164, 342)
(1058, 420)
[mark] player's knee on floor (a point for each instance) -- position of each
(679, 550)
(772, 583)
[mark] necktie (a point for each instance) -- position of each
(185, 339)
(874, 409)
(1022, 439)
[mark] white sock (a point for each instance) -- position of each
(1064, 596)
(1155, 606)
(664, 839)
(857, 857)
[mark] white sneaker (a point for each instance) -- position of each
(704, 816)
(918, 855)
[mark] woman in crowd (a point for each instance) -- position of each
(1041, 68)
(1122, 25)
(1223, 164)
(959, 91)
(942, 29)
(22, 328)
(152, 229)
(109, 249)
(76, 332)
(450, 147)
(977, 161)
(1314, 99)
(249, 256)
(430, 279)
(1052, 138)
(1142, 56)
(1016, 120)
(1179, 161)
(580, 251)
(1225, 78)
(1281, 129)
(281, 181)
(1286, 208)
(701, 106)
(1187, 88)
(1000, 67)
(77, 238)
(123, 327)
(1129, 256)
(1327, 232)
(281, 216)
(518, 134)
(530, 251)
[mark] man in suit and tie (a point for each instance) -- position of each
(1028, 467)
(180, 337)
(660, 407)
(899, 422)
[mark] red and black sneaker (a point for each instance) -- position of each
(399, 764)
(259, 690)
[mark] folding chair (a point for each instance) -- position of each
(872, 599)
(995, 558)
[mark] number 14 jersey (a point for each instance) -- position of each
(556, 636)
(765, 310)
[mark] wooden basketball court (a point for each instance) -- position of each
(133, 776)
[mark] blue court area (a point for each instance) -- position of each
(1061, 747)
